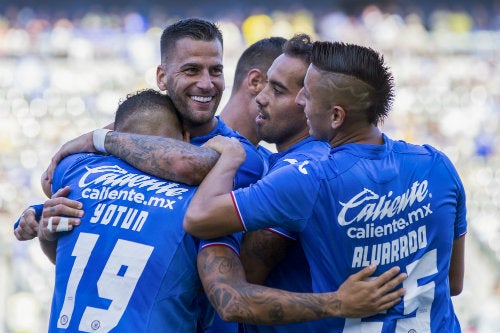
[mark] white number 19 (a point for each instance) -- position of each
(113, 284)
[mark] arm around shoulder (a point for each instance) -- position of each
(223, 278)
(211, 212)
(162, 157)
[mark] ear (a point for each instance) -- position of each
(337, 116)
(161, 77)
(255, 81)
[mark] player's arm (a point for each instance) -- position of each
(48, 242)
(235, 299)
(457, 266)
(50, 223)
(159, 156)
(53, 210)
(58, 206)
(162, 157)
(211, 212)
(261, 250)
(26, 226)
(82, 144)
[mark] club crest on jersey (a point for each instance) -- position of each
(301, 166)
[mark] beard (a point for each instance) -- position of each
(189, 115)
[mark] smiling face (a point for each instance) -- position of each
(281, 120)
(193, 77)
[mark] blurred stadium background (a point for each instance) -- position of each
(64, 65)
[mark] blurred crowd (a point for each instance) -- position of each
(63, 75)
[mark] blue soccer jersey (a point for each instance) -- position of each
(292, 273)
(252, 169)
(264, 153)
(391, 204)
(129, 266)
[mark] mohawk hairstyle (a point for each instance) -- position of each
(363, 63)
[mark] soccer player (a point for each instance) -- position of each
(191, 72)
(374, 200)
(188, 68)
(274, 256)
(240, 110)
(129, 266)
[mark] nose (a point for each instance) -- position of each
(261, 98)
(299, 99)
(205, 81)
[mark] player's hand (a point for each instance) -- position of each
(227, 146)
(28, 225)
(60, 214)
(361, 296)
(81, 144)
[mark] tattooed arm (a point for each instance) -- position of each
(261, 250)
(162, 157)
(235, 299)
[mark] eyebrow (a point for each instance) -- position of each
(278, 84)
(198, 65)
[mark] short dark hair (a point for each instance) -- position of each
(195, 28)
(142, 102)
(362, 63)
(261, 55)
(299, 46)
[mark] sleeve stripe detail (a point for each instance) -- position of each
(280, 233)
(235, 204)
(204, 246)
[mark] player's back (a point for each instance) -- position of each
(129, 266)
(394, 205)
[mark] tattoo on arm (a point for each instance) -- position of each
(163, 157)
(237, 300)
(261, 251)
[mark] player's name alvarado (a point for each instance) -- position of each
(113, 175)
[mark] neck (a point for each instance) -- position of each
(283, 146)
(369, 135)
(236, 116)
(200, 130)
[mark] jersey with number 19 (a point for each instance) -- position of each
(129, 266)
(391, 204)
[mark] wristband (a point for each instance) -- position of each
(99, 137)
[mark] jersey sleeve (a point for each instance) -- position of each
(232, 241)
(461, 217)
(461, 222)
(62, 168)
(252, 169)
(38, 214)
(460, 226)
(283, 233)
(284, 199)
